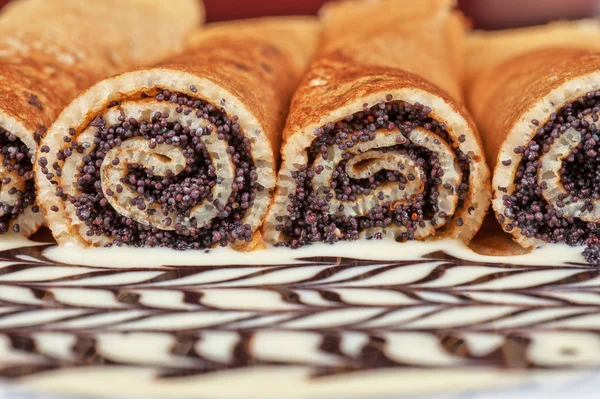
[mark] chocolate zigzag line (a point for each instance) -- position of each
(309, 298)
(311, 274)
(335, 315)
(336, 352)
(315, 290)
(177, 315)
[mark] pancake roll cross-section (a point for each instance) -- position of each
(539, 117)
(377, 143)
(182, 154)
(50, 51)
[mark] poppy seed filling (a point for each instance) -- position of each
(172, 194)
(310, 217)
(527, 209)
(16, 182)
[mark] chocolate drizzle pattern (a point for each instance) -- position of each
(332, 315)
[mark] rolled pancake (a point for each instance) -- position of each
(538, 114)
(50, 51)
(485, 49)
(179, 155)
(377, 143)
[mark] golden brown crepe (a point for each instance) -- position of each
(52, 50)
(517, 76)
(182, 154)
(538, 115)
(491, 240)
(377, 143)
(484, 49)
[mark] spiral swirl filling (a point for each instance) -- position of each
(162, 169)
(391, 169)
(17, 189)
(557, 182)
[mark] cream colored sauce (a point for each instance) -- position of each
(288, 383)
(405, 305)
(11, 240)
(555, 254)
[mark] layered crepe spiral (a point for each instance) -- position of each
(539, 118)
(377, 143)
(50, 51)
(181, 155)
